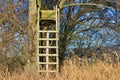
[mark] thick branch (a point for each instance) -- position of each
(62, 3)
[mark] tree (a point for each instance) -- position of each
(32, 25)
(87, 24)
(33, 19)
(76, 15)
(85, 20)
(13, 46)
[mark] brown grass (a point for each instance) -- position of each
(70, 71)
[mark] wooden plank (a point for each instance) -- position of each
(57, 35)
(47, 15)
(48, 31)
(47, 63)
(44, 71)
(37, 41)
(47, 46)
(56, 39)
(47, 54)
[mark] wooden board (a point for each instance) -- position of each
(47, 15)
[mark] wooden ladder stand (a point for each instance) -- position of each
(47, 42)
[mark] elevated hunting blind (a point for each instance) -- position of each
(47, 39)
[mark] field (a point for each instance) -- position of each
(71, 71)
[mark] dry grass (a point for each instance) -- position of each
(70, 71)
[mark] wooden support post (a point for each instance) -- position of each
(37, 41)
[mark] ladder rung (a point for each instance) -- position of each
(47, 46)
(48, 31)
(48, 71)
(47, 54)
(48, 39)
(47, 63)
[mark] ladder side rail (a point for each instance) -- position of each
(47, 57)
(37, 42)
(57, 36)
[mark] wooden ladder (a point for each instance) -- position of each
(47, 42)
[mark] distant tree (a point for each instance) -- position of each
(13, 38)
(88, 25)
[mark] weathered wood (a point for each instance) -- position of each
(37, 42)
(51, 31)
(57, 36)
(47, 63)
(50, 71)
(48, 39)
(45, 49)
(39, 3)
(47, 55)
(47, 46)
(48, 15)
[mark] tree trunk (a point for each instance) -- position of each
(32, 22)
(32, 29)
(32, 26)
